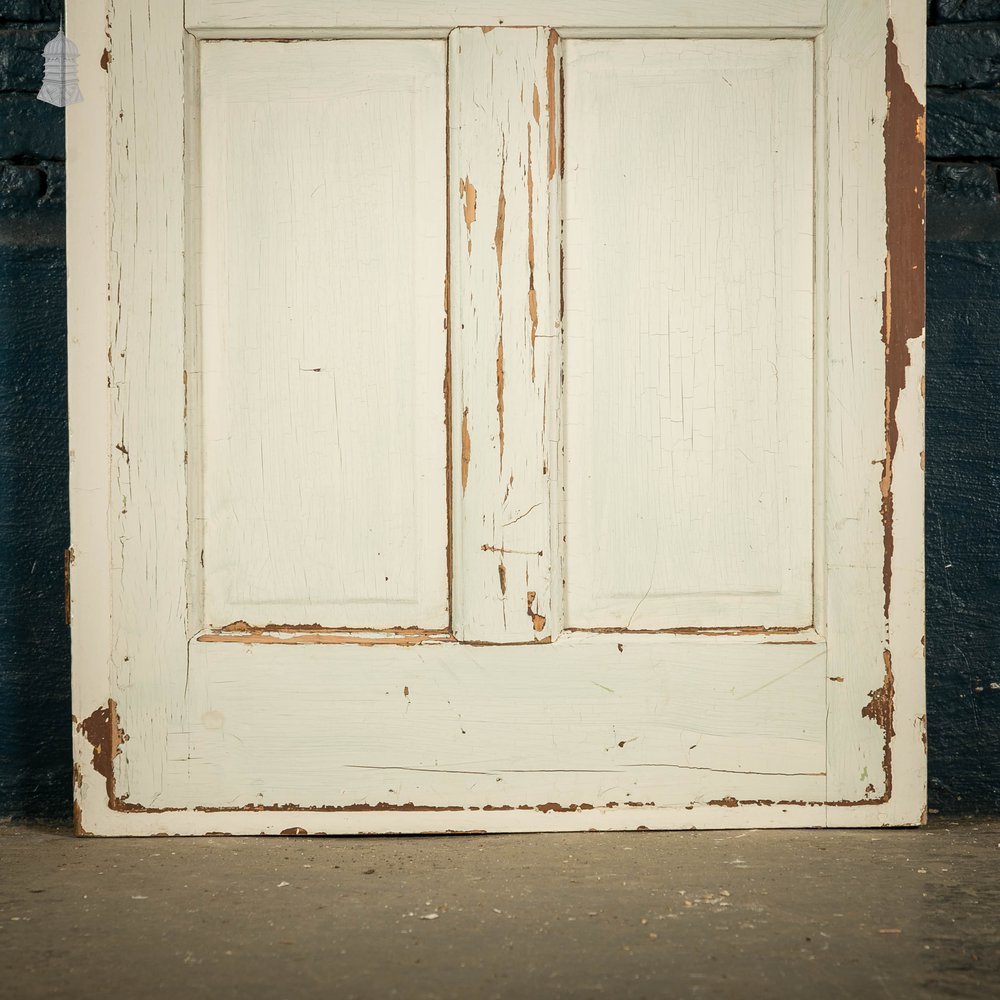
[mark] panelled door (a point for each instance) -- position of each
(496, 417)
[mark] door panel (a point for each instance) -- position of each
(689, 333)
(580, 723)
(323, 347)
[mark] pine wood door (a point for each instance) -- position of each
(496, 417)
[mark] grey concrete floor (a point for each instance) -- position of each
(818, 914)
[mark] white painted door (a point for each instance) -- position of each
(497, 420)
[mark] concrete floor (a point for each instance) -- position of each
(883, 913)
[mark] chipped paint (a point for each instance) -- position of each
(467, 192)
(903, 299)
(500, 394)
(720, 630)
(466, 449)
(317, 635)
(550, 100)
(532, 296)
(903, 320)
(537, 620)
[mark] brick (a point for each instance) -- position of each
(963, 202)
(962, 55)
(35, 763)
(30, 128)
(964, 272)
(963, 526)
(21, 64)
(963, 124)
(30, 11)
(966, 10)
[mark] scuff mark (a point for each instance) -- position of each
(518, 552)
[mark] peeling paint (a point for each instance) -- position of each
(537, 620)
(466, 449)
(550, 100)
(467, 192)
(903, 319)
(500, 394)
(721, 630)
(903, 299)
(532, 296)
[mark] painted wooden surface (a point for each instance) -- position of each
(323, 344)
(689, 326)
(440, 17)
(505, 339)
(874, 511)
(182, 731)
(665, 721)
(146, 380)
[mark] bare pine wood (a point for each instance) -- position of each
(504, 165)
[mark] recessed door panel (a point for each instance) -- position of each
(689, 326)
(322, 332)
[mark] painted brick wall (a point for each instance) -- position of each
(34, 521)
(963, 415)
(963, 404)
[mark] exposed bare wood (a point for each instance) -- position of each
(505, 337)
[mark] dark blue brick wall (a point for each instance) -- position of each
(963, 415)
(35, 762)
(963, 404)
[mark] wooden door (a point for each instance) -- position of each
(496, 417)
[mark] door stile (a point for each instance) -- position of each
(504, 154)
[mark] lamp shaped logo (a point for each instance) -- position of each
(60, 85)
